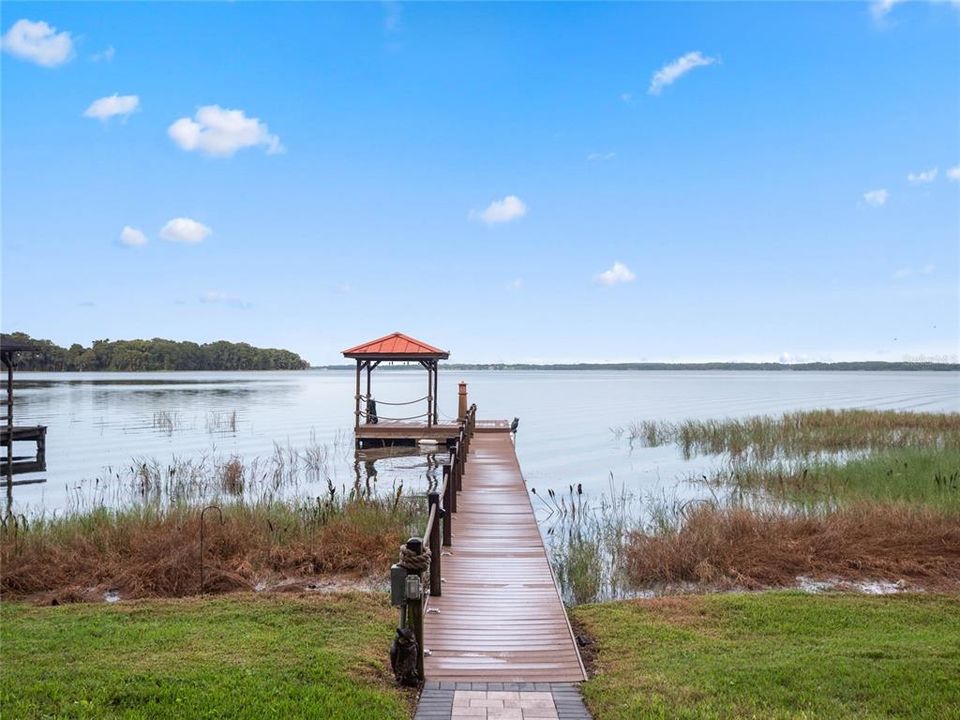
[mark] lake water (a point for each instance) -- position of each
(98, 423)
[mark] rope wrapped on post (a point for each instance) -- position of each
(413, 561)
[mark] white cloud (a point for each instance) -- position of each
(671, 72)
(626, 97)
(38, 43)
(954, 173)
(221, 132)
(215, 297)
(618, 273)
(131, 237)
(516, 284)
(392, 15)
(501, 211)
(595, 157)
(906, 272)
(922, 177)
(185, 230)
(881, 8)
(104, 55)
(876, 198)
(112, 106)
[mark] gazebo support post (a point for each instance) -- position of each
(356, 412)
(426, 364)
(369, 370)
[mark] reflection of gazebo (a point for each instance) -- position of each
(417, 422)
(9, 433)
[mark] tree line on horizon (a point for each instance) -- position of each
(148, 355)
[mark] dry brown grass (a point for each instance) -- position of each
(139, 553)
(719, 546)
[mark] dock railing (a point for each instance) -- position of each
(409, 596)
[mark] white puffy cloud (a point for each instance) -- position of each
(618, 273)
(922, 177)
(216, 297)
(906, 272)
(112, 106)
(221, 132)
(954, 173)
(185, 230)
(38, 43)
(596, 157)
(105, 55)
(131, 237)
(881, 8)
(501, 211)
(671, 72)
(876, 198)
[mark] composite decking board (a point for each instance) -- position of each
(500, 616)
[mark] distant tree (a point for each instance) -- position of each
(155, 354)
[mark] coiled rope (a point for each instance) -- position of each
(414, 562)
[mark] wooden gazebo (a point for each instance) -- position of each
(407, 425)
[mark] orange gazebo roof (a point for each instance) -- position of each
(396, 346)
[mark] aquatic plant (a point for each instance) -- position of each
(801, 434)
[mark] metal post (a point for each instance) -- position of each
(433, 500)
(449, 506)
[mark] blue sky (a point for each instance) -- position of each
(508, 181)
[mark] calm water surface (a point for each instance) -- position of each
(99, 423)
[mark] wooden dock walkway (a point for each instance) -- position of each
(501, 618)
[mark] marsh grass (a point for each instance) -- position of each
(167, 421)
(153, 550)
(137, 532)
(220, 421)
(801, 434)
(923, 476)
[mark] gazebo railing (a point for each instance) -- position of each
(364, 402)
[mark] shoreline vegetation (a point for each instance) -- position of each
(817, 498)
(150, 355)
(282, 524)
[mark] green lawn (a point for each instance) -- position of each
(241, 656)
(775, 655)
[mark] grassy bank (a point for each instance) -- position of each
(245, 656)
(775, 655)
(153, 550)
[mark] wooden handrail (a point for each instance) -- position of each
(435, 536)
